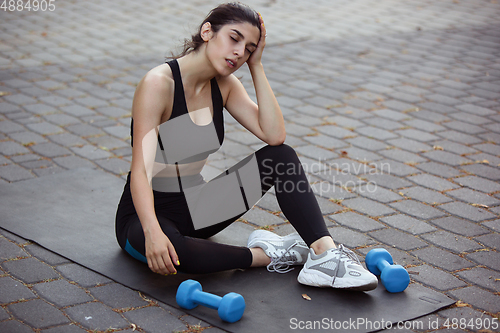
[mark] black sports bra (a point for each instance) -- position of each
(187, 141)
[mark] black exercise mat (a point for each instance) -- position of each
(72, 214)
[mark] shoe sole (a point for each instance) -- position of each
(312, 278)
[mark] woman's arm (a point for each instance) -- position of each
(263, 119)
(147, 109)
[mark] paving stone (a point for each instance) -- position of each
(339, 178)
(40, 109)
(50, 149)
(117, 296)
(7, 126)
(417, 209)
(451, 242)
(61, 293)
(471, 316)
(402, 156)
(459, 226)
(349, 238)
(433, 182)
(45, 128)
(346, 166)
(30, 270)
(409, 145)
(460, 137)
(486, 147)
(368, 207)
(315, 152)
(436, 278)
(9, 148)
(83, 276)
(3, 315)
(325, 141)
(408, 224)
(479, 184)
(467, 211)
(425, 195)
(446, 157)
(25, 137)
(38, 314)
(398, 239)
(330, 130)
(442, 259)
(490, 259)
(356, 221)
(77, 110)
(394, 168)
(482, 277)
(45, 255)
(377, 193)
(390, 114)
(14, 173)
(478, 297)
(417, 135)
(84, 130)
(9, 250)
(73, 162)
(376, 133)
(269, 202)
(491, 240)
(96, 316)
(327, 206)
(91, 152)
(464, 127)
(483, 171)
(12, 291)
(14, 326)
(473, 197)
(387, 181)
(385, 124)
(361, 154)
(155, 319)
(70, 328)
(261, 218)
(67, 139)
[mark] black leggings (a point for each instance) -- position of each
(279, 166)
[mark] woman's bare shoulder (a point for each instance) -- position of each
(159, 77)
(154, 93)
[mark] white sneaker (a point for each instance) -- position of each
(337, 268)
(284, 251)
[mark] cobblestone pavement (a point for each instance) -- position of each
(393, 107)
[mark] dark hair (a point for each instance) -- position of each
(232, 12)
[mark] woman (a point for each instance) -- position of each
(177, 109)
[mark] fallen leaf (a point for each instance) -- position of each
(480, 205)
(44, 34)
(306, 297)
(3, 93)
(133, 327)
(343, 152)
(461, 304)
(483, 162)
(438, 148)
(413, 272)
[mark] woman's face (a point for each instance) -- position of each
(231, 46)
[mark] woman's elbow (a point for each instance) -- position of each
(276, 140)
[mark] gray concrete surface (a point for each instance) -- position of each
(393, 107)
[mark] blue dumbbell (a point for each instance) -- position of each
(230, 307)
(394, 277)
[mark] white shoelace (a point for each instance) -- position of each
(346, 253)
(281, 263)
(349, 254)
